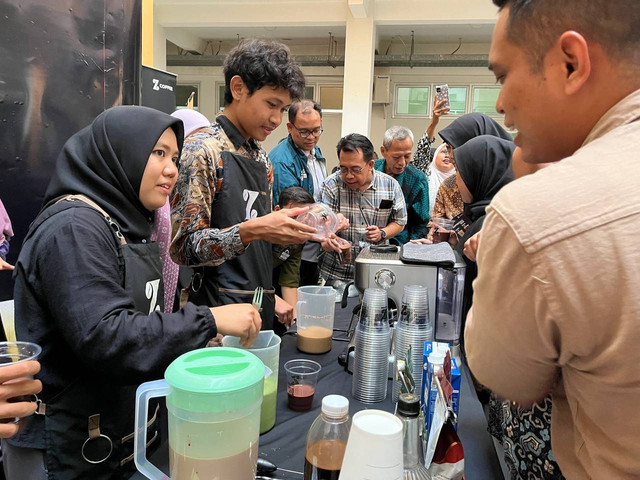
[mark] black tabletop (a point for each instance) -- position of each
(284, 445)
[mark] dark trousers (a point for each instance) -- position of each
(309, 273)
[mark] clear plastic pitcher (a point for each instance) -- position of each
(315, 309)
(267, 349)
(213, 400)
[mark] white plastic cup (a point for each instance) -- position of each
(374, 448)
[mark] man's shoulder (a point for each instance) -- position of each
(334, 179)
(281, 148)
(577, 194)
(417, 174)
(81, 222)
(210, 141)
(386, 180)
(378, 164)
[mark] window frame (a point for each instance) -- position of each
(318, 96)
(491, 86)
(198, 85)
(218, 107)
(412, 85)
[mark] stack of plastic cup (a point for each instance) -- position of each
(412, 329)
(372, 345)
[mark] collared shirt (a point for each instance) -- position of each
(415, 188)
(318, 174)
(353, 204)
(200, 177)
(556, 305)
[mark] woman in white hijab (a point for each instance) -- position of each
(441, 168)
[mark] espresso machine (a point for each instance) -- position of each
(382, 267)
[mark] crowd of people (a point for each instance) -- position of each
(156, 230)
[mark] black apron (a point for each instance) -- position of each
(89, 425)
(244, 195)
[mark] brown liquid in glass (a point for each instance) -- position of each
(323, 460)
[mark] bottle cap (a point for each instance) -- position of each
(335, 406)
(409, 405)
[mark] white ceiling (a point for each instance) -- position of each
(301, 35)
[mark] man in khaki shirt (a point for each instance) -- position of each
(557, 299)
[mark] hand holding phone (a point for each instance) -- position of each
(442, 93)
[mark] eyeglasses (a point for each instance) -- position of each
(353, 170)
(316, 132)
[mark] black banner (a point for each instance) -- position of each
(61, 63)
(158, 89)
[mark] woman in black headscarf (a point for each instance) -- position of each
(483, 168)
(459, 132)
(471, 125)
(89, 291)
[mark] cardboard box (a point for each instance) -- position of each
(428, 395)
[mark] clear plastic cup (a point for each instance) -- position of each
(18, 352)
(302, 378)
(322, 218)
(345, 251)
(442, 230)
(12, 353)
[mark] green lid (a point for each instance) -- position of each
(215, 370)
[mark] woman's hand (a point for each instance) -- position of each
(330, 244)
(471, 247)
(423, 241)
(239, 320)
(16, 381)
(6, 266)
(343, 223)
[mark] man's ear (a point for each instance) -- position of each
(382, 151)
(238, 87)
(573, 52)
(289, 127)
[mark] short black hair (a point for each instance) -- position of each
(294, 195)
(535, 25)
(355, 141)
(305, 105)
(259, 63)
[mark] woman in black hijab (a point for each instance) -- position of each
(88, 289)
(471, 125)
(483, 168)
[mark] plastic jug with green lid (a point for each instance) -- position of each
(213, 400)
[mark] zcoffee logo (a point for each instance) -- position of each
(157, 85)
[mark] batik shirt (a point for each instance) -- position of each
(200, 176)
(353, 204)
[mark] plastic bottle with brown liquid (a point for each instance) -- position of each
(327, 440)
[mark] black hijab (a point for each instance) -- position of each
(484, 164)
(105, 162)
(472, 125)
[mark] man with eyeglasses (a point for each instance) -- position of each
(298, 162)
(372, 201)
